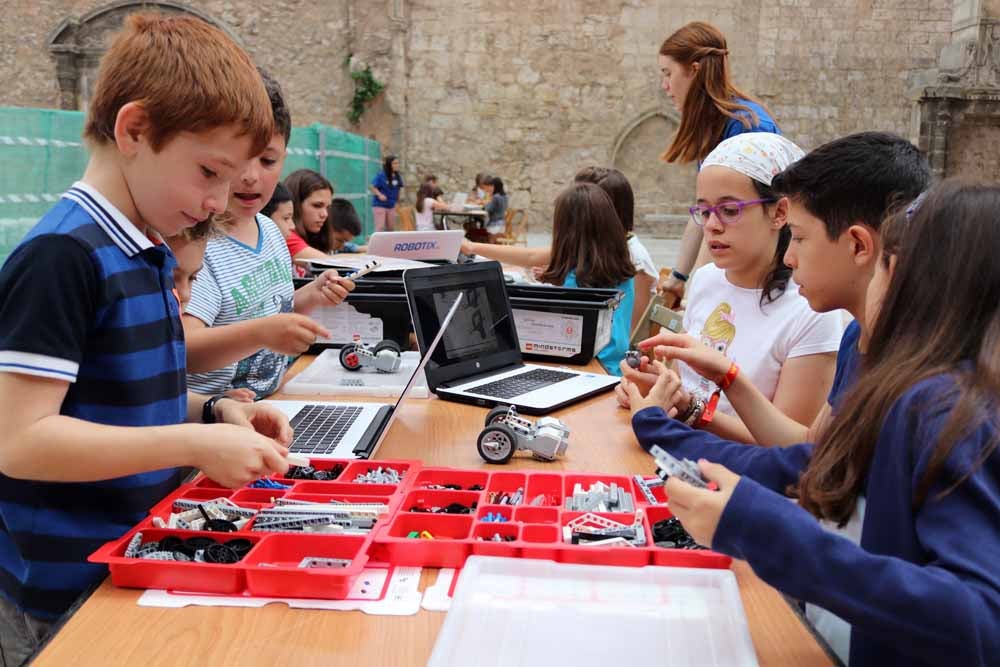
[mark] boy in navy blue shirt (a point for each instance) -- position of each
(893, 542)
(92, 389)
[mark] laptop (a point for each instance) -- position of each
(333, 430)
(423, 246)
(458, 201)
(479, 359)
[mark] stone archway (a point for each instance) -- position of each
(662, 191)
(78, 44)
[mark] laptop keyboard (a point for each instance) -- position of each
(320, 428)
(515, 385)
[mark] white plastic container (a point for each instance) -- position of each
(515, 612)
(326, 377)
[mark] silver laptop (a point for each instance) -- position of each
(333, 430)
(458, 201)
(479, 360)
(422, 246)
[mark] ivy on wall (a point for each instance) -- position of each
(366, 89)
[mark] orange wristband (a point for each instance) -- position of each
(729, 377)
(709, 413)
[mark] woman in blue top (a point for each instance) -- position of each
(385, 193)
(695, 66)
(893, 544)
(589, 250)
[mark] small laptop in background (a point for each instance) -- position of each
(422, 246)
(458, 201)
(479, 359)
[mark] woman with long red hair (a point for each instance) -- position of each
(694, 61)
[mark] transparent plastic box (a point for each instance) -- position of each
(325, 376)
(525, 613)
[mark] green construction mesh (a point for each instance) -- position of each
(42, 154)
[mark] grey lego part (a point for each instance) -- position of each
(380, 475)
(229, 510)
(332, 563)
(640, 483)
(132, 550)
(669, 466)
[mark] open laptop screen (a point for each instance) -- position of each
(481, 337)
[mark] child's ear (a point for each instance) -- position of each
(780, 213)
(131, 128)
(864, 244)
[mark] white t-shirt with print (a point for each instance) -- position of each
(240, 283)
(425, 218)
(731, 320)
(643, 260)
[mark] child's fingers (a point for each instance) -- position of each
(718, 473)
(315, 328)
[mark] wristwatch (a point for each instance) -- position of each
(208, 411)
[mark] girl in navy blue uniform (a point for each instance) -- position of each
(901, 566)
(385, 194)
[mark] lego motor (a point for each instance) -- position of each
(507, 432)
(385, 356)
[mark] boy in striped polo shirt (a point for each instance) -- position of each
(91, 343)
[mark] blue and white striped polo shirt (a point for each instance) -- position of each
(87, 298)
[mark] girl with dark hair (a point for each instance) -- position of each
(428, 200)
(901, 566)
(496, 205)
(385, 190)
(694, 62)
(589, 250)
(311, 197)
(745, 305)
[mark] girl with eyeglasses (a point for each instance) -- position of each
(745, 304)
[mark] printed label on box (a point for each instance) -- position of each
(554, 334)
(603, 336)
(347, 325)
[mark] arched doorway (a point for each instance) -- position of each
(78, 44)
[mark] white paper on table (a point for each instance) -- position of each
(401, 598)
(357, 261)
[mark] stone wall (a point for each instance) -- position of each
(534, 91)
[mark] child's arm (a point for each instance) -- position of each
(512, 255)
(378, 193)
(211, 348)
(310, 252)
(763, 421)
(773, 467)
(798, 399)
(40, 444)
(327, 289)
(946, 611)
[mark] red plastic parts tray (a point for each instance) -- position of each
(271, 569)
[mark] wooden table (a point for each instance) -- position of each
(110, 629)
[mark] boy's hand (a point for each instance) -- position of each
(672, 291)
(699, 510)
(665, 393)
(265, 419)
(703, 360)
(235, 456)
(290, 333)
(243, 395)
(327, 289)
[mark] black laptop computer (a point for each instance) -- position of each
(478, 360)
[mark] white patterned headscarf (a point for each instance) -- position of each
(758, 155)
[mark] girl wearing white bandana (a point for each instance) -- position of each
(745, 304)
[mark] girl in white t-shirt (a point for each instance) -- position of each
(745, 304)
(428, 201)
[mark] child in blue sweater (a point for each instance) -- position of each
(901, 566)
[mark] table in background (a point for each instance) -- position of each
(473, 222)
(110, 629)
